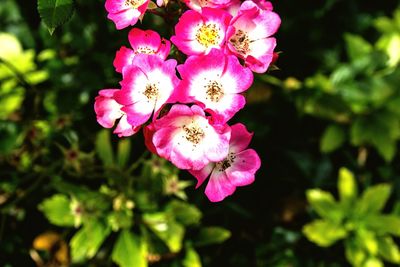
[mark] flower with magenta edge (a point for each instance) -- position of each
(199, 4)
(108, 111)
(237, 169)
(142, 42)
(215, 82)
(186, 137)
(197, 33)
(147, 85)
(125, 13)
(249, 35)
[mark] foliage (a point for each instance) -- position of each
(367, 232)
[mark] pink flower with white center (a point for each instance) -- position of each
(125, 13)
(186, 138)
(215, 81)
(142, 42)
(197, 33)
(108, 111)
(237, 169)
(199, 4)
(147, 85)
(249, 35)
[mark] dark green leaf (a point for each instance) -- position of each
(211, 235)
(124, 151)
(104, 148)
(55, 12)
(332, 138)
(183, 212)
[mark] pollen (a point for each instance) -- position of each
(214, 91)
(241, 42)
(194, 134)
(151, 91)
(144, 50)
(226, 163)
(133, 3)
(208, 35)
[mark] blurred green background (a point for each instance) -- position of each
(326, 124)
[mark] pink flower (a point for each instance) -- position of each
(108, 111)
(249, 35)
(214, 81)
(142, 42)
(197, 33)
(199, 4)
(186, 138)
(125, 12)
(237, 169)
(146, 86)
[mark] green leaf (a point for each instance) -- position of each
(129, 250)
(211, 235)
(183, 212)
(192, 258)
(354, 253)
(324, 233)
(388, 249)
(332, 138)
(324, 204)
(383, 224)
(357, 47)
(87, 241)
(55, 12)
(373, 262)
(347, 186)
(124, 151)
(57, 210)
(167, 229)
(104, 148)
(373, 199)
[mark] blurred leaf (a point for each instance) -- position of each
(87, 241)
(211, 235)
(55, 12)
(373, 262)
(324, 233)
(129, 250)
(388, 249)
(166, 229)
(357, 47)
(367, 240)
(383, 224)
(192, 258)
(324, 204)
(354, 253)
(57, 210)
(332, 138)
(104, 147)
(373, 199)
(124, 151)
(183, 212)
(347, 186)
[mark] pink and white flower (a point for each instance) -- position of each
(199, 4)
(249, 35)
(108, 111)
(215, 81)
(186, 138)
(237, 169)
(125, 13)
(142, 42)
(197, 33)
(147, 85)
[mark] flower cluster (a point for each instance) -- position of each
(184, 109)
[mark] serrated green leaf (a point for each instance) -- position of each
(104, 148)
(347, 186)
(211, 235)
(332, 138)
(183, 212)
(55, 12)
(57, 210)
(167, 229)
(123, 152)
(129, 250)
(388, 249)
(324, 204)
(324, 233)
(373, 199)
(383, 224)
(87, 241)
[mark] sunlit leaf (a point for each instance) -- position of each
(324, 233)
(324, 204)
(373, 199)
(347, 186)
(57, 210)
(129, 250)
(388, 249)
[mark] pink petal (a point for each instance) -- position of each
(242, 170)
(141, 39)
(219, 186)
(139, 112)
(124, 128)
(201, 175)
(124, 18)
(240, 138)
(123, 57)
